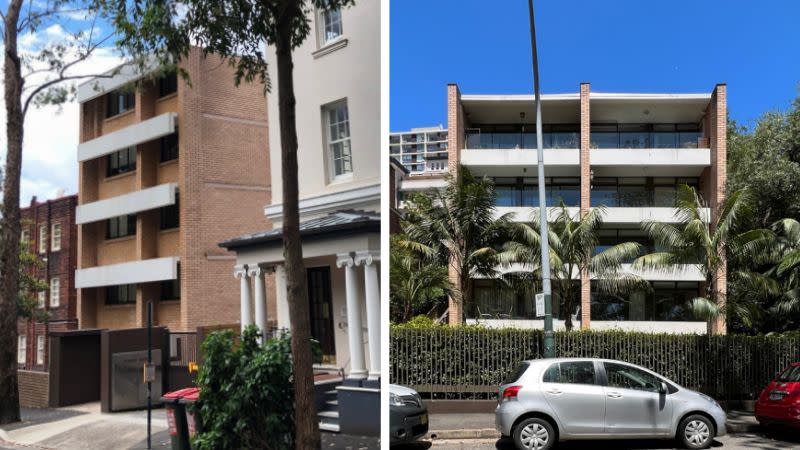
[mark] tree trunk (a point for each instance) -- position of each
(10, 227)
(305, 416)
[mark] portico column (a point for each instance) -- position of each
(257, 273)
(240, 272)
(355, 337)
(370, 262)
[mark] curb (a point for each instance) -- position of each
(491, 433)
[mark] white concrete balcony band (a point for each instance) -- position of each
(144, 271)
(676, 272)
(159, 126)
(509, 162)
(639, 162)
(125, 74)
(637, 215)
(134, 202)
(526, 213)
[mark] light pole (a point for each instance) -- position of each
(549, 341)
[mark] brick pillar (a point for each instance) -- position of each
(717, 132)
(455, 128)
(586, 182)
(455, 143)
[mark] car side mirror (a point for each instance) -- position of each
(662, 388)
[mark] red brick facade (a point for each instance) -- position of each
(56, 264)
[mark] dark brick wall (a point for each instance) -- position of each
(59, 264)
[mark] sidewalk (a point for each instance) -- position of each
(85, 427)
(481, 425)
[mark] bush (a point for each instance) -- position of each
(469, 362)
(246, 392)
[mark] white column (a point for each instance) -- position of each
(355, 337)
(370, 262)
(246, 316)
(257, 273)
(281, 301)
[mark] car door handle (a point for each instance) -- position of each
(553, 391)
(614, 395)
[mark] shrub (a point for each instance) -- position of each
(246, 392)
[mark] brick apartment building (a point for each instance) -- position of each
(49, 229)
(623, 150)
(167, 171)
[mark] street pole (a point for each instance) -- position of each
(549, 341)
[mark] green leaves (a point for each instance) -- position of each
(246, 392)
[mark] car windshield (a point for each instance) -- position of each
(790, 375)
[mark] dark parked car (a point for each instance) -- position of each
(408, 416)
(779, 402)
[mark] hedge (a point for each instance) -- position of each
(470, 362)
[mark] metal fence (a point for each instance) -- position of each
(470, 363)
(183, 347)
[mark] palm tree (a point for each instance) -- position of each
(458, 226)
(707, 244)
(416, 284)
(573, 240)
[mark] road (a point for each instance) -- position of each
(730, 442)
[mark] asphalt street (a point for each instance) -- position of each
(760, 441)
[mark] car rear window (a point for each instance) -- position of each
(517, 373)
(790, 375)
(572, 372)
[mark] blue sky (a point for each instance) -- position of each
(621, 45)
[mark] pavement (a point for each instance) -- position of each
(85, 427)
(481, 425)
(745, 441)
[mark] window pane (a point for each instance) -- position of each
(577, 372)
(626, 377)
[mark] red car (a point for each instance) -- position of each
(779, 403)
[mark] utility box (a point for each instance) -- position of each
(128, 389)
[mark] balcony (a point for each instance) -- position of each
(138, 133)
(520, 140)
(132, 203)
(144, 271)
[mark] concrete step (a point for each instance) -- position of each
(328, 414)
(334, 403)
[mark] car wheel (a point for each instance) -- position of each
(696, 431)
(534, 434)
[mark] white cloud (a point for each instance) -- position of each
(49, 161)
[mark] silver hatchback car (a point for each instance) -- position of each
(550, 400)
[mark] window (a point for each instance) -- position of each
(171, 289)
(627, 377)
(330, 25)
(168, 84)
(42, 238)
(118, 102)
(121, 162)
(121, 295)
(170, 216)
(169, 147)
(55, 237)
(41, 298)
(25, 236)
(121, 226)
(55, 292)
(39, 350)
(22, 344)
(337, 125)
(573, 372)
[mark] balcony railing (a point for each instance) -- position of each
(519, 140)
(678, 139)
(633, 199)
